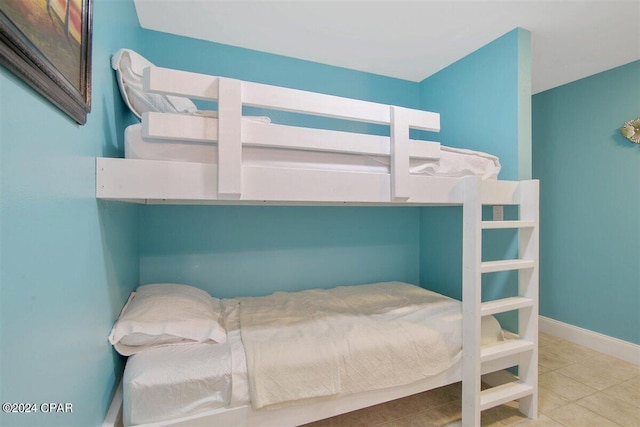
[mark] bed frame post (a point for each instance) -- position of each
(229, 139)
(471, 300)
(400, 183)
(529, 195)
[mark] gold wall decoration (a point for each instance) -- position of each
(631, 130)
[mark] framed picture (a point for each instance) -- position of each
(47, 43)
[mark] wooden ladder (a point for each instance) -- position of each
(477, 359)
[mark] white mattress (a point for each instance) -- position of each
(176, 381)
(170, 382)
(453, 162)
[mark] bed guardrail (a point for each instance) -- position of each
(230, 132)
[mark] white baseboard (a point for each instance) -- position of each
(603, 343)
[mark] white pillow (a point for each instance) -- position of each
(167, 314)
(490, 331)
(129, 67)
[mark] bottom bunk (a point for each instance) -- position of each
(293, 358)
(245, 415)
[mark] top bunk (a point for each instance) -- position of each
(223, 157)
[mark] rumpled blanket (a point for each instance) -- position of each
(328, 342)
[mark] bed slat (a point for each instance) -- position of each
(181, 127)
(270, 135)
(285, 99)
(202, 86)
(180, 83)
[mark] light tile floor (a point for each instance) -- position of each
(579, 387)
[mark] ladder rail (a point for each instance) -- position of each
(529, 192)
(526, 303)
(471, 301)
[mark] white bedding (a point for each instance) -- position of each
(453, 162)
(328, 342)
(172, 382)
(175, 381)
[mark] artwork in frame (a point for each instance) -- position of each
(47, 43)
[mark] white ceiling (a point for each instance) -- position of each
(412, 40)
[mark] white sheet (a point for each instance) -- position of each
(453, 162)
(171, 382)
(325, 343)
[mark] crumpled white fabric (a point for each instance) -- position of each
(129, 66)
(166, 383)
(323, 343)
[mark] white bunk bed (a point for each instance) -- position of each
(233, 180)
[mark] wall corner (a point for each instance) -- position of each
(524, 104)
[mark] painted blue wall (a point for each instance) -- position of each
(241, 250)
(484, 104)
(482, 100)
(223, 60)
(67, 262)
(234, 251)
(590, 202)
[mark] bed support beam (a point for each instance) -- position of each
(400, 120)
(471, 301)
(229, 139)
(399, 160)
(529, 194)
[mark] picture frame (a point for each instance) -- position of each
(47, 44)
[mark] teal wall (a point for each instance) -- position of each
(590, 202)
(223, 60)
(482, 100)
(484, 103)
(67, 262)
(242, 250)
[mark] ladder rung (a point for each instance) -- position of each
(504, 393)
(505, 304)
(487, 225)
(504, 348)
(506, 265)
